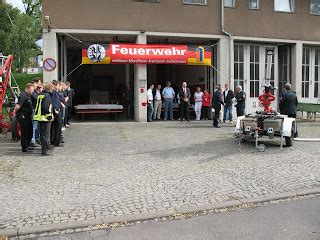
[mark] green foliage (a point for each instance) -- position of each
(34, 10)
(22, 78)
(5, 112)
(20, 31)
(33, 7)
(21, 41)
(7, 14)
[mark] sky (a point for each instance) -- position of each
(16, 3)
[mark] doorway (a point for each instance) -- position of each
(249, 72)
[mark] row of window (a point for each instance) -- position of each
(279, 5)
(250, 65)
(310, 71)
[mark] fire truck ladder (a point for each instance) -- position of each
(5, 80)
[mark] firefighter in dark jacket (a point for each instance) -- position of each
(23, 111)
(217, 102)
(44, 115)
(288, 102)
(56, 126)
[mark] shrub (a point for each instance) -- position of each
(23, 78)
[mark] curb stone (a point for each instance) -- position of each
(147, 216)
(206, 207)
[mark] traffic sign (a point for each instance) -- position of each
(49, 64)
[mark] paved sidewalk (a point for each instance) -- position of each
(289, 220)
(121, 169)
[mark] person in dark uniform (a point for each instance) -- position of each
(184, 95)
(288, 102)
(43, 115)
(217, 101)
(70, 93)
(241, 101)
(56, 125)
(23, 111)
(128, 100)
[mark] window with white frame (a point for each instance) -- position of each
(315, 7)
(284, 6)
(230, 3)
(284, 67)
(272, 71)
(305, 72)
(317, 73)
(254, 4)
(254, 71)
(196, 2)
(238, 65)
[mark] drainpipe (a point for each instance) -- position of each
(230, 43)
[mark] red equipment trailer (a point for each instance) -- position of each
(9, 123)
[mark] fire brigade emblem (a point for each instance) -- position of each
(200, 54)
(96, 53)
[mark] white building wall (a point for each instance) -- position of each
(223, 59)
(50, 50)
(140, 86)
(296, 66)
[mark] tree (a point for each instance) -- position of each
(7, 14)
(33, 9)
(21, 41)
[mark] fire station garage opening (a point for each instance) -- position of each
(94, 85)
(105, 84)
(194, 75)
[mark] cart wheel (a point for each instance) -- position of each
(289, 140)
(261, 147)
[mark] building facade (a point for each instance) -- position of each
(239, 32)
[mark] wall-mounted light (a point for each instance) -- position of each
(47, 21)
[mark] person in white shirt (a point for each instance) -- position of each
(157, 104)
(150, 102)
(198, 96)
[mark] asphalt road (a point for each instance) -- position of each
(292, 220)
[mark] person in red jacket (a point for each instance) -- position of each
(206, 103)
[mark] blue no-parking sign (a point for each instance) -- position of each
(49, 64)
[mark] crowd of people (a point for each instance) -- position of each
(203, 102)
(43, 112)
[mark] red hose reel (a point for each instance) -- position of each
(266, 100)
